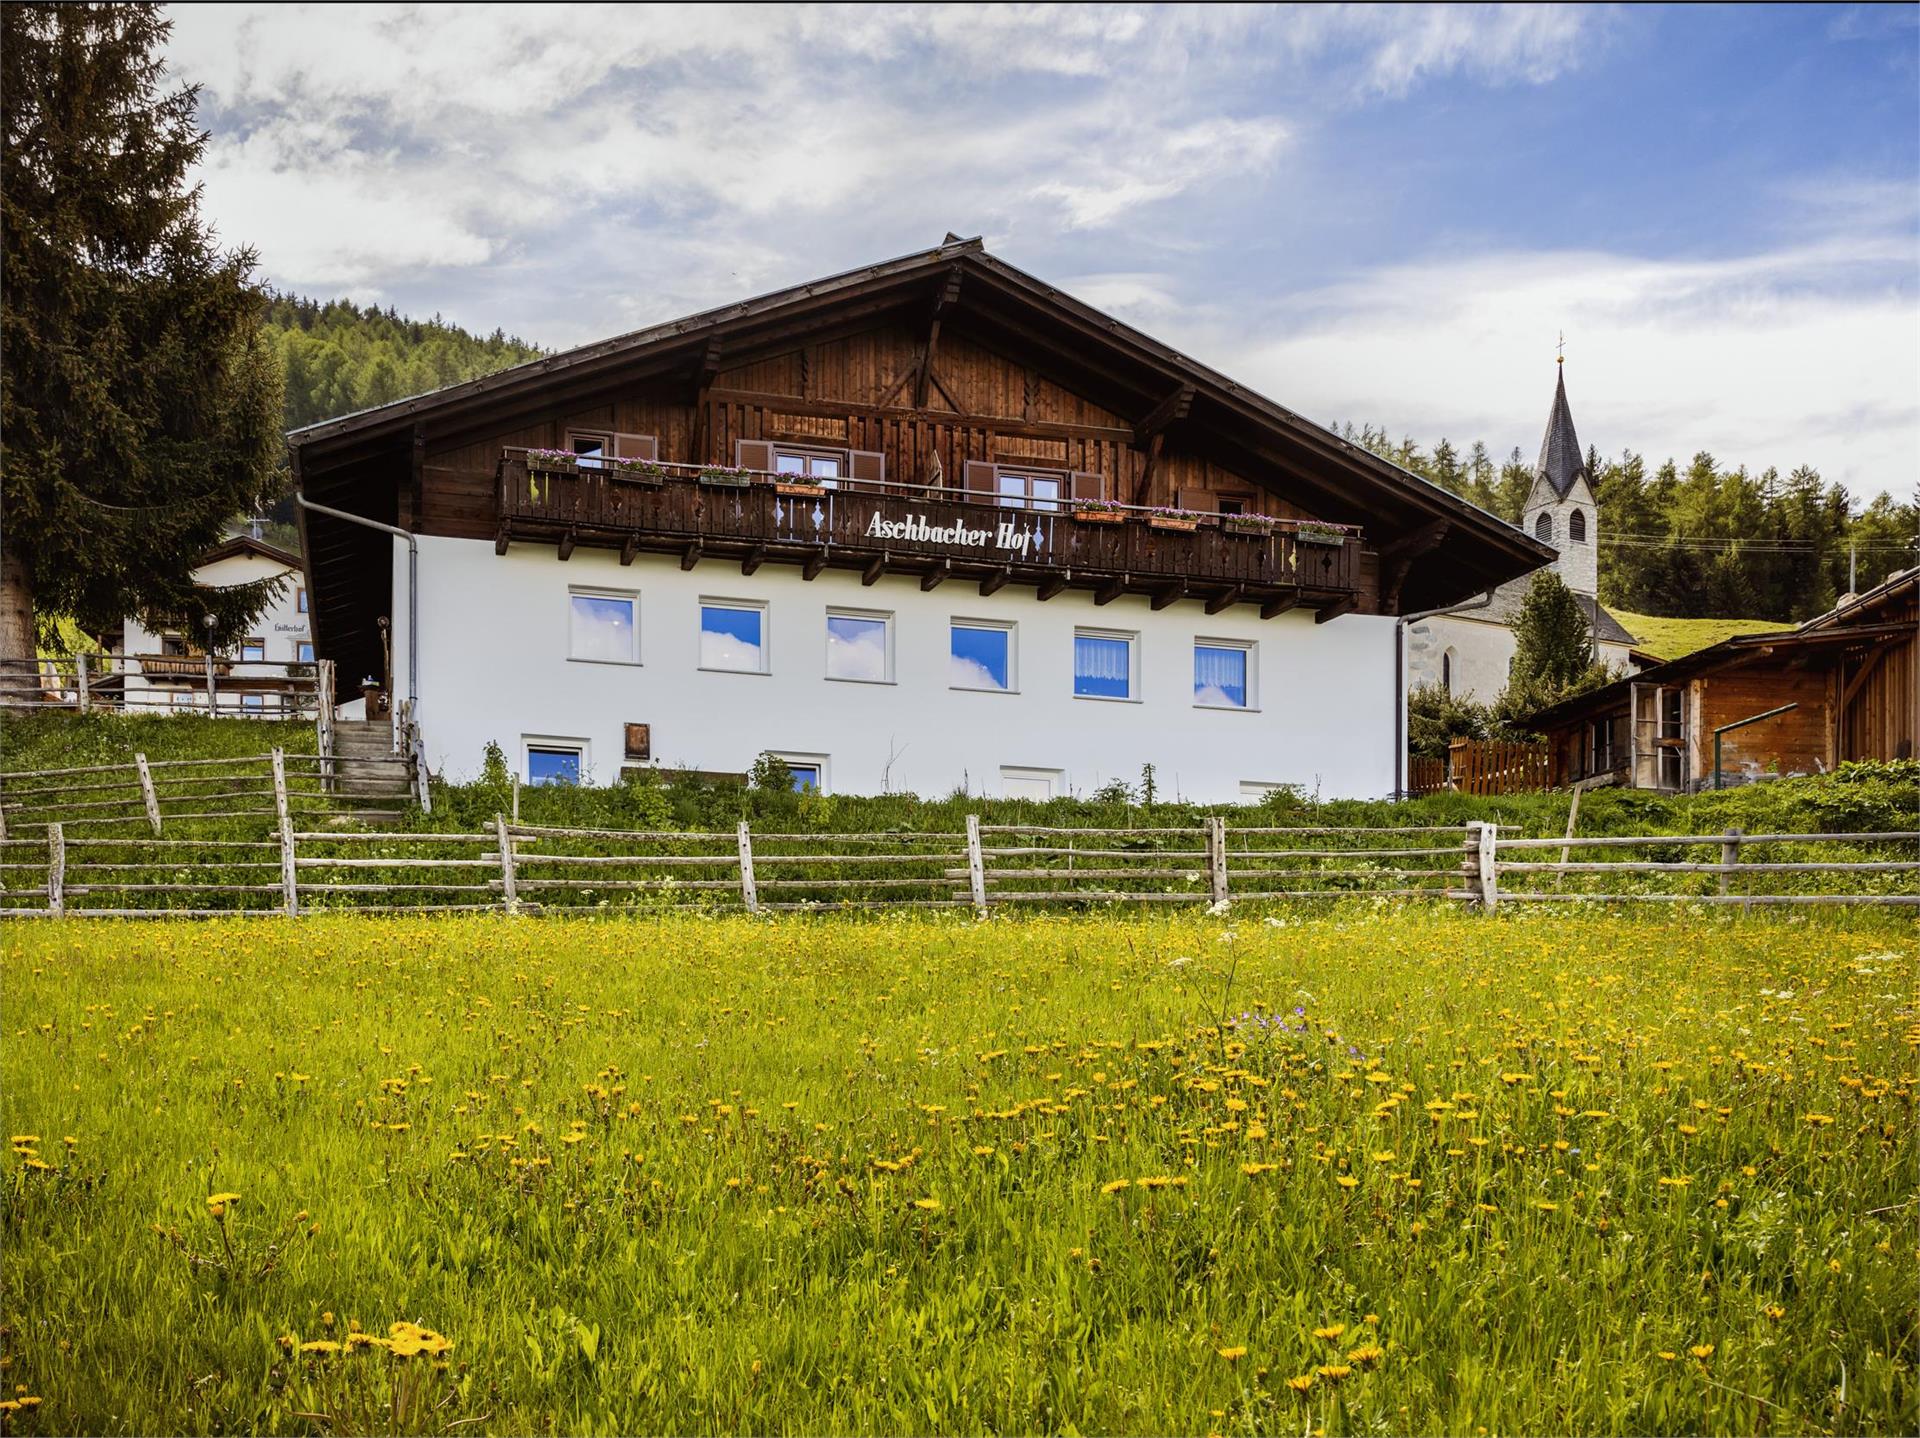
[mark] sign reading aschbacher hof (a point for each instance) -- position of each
(1005, 535)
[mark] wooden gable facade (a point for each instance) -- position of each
(945, 387)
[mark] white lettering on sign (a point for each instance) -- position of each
(1004, 535)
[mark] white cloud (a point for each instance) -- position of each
(862, 655)
(1804, 354)
(965, 673)
(724, 651)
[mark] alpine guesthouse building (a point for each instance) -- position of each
(924, 525)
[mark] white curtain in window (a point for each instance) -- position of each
(1097, 658)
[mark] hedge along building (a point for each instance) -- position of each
(901, 527)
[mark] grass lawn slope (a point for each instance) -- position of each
(1394, 1171)
(1672, 638)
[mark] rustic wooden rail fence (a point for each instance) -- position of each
(164, 794)
(231, 686)
(515, 868)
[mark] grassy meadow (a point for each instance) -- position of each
(1369, 1171)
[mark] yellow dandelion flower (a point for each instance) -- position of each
(1333, 1372)
(320, 1345)
(1701, 1350)
(1116, 1185)
(1365, 1354)
(1234, 1354)
(1667, 1355)
(983, 1150)
(1330, 1332)
(1347, 1180)
(1301, 1383)
(927, 1205)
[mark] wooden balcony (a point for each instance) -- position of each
(931, 534)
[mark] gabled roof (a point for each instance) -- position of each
(1561, 459)
(247, 544)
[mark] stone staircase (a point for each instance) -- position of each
(369, 779)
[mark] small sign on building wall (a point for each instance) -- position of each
(639, 741)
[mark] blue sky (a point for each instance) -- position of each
(1369, 213)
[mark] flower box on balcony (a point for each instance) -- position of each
(1090, 514)
(639, 471)
(727, 478)
(1178, 524)
(1327, 535)
(800, 488)
(1246, 524)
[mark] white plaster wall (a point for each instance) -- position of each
(281, 625)
(1483, 653)
(494, 666)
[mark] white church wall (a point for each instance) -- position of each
(494, 665)
(1482, 654)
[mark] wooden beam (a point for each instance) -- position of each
(1050, 586)
(417, 490)
(1171, 409)
(706, 370)
(1226, 598)
(943, 297)
(995, 581)
(567, 542)
(499, 537)
(931, 579)
(1111, 590)
(816, 561)
(876, 567)
(628, 549)
(691, 556)
(1415, 542)
(1144, 488)
(1175, 591)
(1274, 608)
(1330, 612)
(753, 559)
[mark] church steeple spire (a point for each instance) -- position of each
(1561, 460)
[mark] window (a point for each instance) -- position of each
(602, 628)
(1018, 783)
(300, 600)
(592, 448)
(860, 646)
(1103, 664)
(1030, 491)
(809, 771)
(1222, 674)
(981, 656)
(304, 651)
(1543, 529)
(1235, 504)
(552, 762)
(1446, 671)
(1577, 526)
(253, 703)
(253, 651)
(827, 469)
(733, 636)
(1600, 746)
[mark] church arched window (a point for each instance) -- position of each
(1446, 671)
(1543, 528)
(1577, 526)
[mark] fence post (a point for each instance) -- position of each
(1217, 858)
(279, 757)
(1729, 854)
(289, 882)
(56, 870)
(976, 868)
(748, 894)
(1482, 863)
(516, 796)
(151, 799)
(509, 887)
(80, 679)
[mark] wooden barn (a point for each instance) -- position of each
(1843, 686)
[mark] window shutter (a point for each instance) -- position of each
(983, 480)
(753, 454)
(867, 466)
(636, 446)
(1087, 486)
(1201, 500)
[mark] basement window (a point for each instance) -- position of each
(551, 762)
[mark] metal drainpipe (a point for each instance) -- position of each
(413, 585)
(1400, 680)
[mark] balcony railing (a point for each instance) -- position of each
(165, 684)
(916, 529)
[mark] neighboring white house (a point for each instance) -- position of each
(166, 671)
(1470, 650)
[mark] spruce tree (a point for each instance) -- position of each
(139, 400)
(1553, 654)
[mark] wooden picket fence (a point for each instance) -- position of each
(519, 868)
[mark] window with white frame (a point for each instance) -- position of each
(304, 651)
(1223, 674)
(592, 447)
(1105, 664)
(603, 626)
(860, 646)
(733, 635)
(809, 770)
(253, 651)
(253, 703)
(1034, 489)
(1017, 782)
(981, 656)
(300, 600)
(555, 761)
(826, 467)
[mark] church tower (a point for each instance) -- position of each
(1560, 507)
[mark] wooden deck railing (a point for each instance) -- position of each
(920, 530)
(166, 684)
